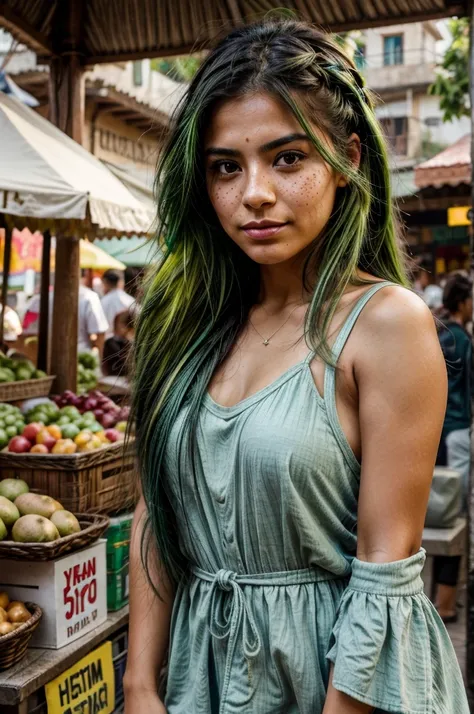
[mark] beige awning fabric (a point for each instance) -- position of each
(45, 174)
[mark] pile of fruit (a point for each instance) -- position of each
(30, 517)
(68, 424)
(106, 412)
(13, 614)
(12, 423)
(87, 364)
(18, 370)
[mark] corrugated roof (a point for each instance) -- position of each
(450, 167)
(127, 29)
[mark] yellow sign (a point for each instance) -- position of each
(459, 216)
(86, 688)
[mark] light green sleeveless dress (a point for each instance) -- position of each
(275, 593)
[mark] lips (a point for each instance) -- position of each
(262, 229)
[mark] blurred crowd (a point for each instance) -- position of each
(450, 299)
(107, 308)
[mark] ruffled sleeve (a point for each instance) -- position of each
(389, 646)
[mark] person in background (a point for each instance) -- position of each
(117, 348)
(115, 298)
(11, 325)
(427, 288)
(454, 448)
(133, 281)
(30, 323)
(92, 322)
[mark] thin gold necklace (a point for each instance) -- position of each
(266, 340)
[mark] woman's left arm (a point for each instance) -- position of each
(401, 378)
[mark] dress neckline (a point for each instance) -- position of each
(220, 409)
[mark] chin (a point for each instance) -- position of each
(270, 254)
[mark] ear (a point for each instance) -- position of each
(353, 154)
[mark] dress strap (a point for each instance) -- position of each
(348, 325)
(330, 375)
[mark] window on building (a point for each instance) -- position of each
(360, 58)
(396, 132)
(393, 50)
(138, 73)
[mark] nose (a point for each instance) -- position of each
(259, 191)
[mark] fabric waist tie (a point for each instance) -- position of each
(239, 616)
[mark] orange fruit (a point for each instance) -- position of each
(83, 438)
(55, 431)
(39, 449)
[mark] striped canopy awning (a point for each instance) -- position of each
(132, 29)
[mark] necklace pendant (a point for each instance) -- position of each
(266, 342)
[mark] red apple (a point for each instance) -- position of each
(31, 430)
(113, 435)
(19, 445)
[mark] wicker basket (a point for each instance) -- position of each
(13, 646)
(92, 527)
(25, 389)
(103, 480)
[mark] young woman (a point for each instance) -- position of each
(290, 394)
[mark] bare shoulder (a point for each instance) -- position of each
(397, 313)
(397, 334)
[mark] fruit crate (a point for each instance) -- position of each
(117, 588)
(102, 481)
(118, 541)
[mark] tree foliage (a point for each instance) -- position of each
(181, 69)
(452, 77)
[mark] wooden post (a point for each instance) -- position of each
(470, 585)
(43, 333)
(67, 108)
(65, 314)
(7, 252)
(67, 95)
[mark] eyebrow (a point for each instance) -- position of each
(275, 144)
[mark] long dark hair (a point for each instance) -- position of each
(199, 297)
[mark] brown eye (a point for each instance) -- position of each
(225, 168)
(289, 158)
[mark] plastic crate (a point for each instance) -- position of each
(117, 588)
(118, 541)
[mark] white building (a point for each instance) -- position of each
(399, 65)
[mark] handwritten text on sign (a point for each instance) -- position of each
(86, 688)
(80, 595)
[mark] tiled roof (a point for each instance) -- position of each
(130, 29)
(450, 167)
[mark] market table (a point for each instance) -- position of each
(40, 665)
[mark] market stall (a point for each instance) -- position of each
(49, 182)
(67, 476)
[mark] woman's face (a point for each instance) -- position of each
(270, 188)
